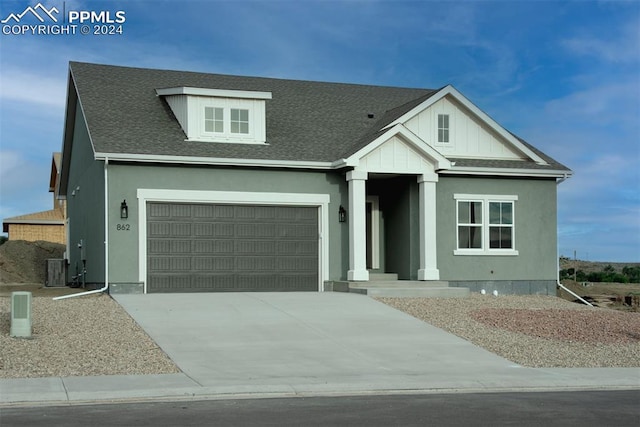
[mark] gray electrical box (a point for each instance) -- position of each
(20, 314)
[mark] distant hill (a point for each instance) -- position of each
(594, 266)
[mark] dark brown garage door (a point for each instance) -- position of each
(207, 247)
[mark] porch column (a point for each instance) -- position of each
(357, 226)
(428, 261)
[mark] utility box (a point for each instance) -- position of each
(20, 314)
(56, 273)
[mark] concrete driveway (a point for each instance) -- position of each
(301, 344)
(309, 342)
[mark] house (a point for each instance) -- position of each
(180, 181)
(49, 225)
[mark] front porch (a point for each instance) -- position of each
(391, 211)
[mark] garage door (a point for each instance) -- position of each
(211, 247)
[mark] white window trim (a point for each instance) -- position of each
(226, 135)
(321, 201)
(448, 128)
(437, 142)
(486, 199)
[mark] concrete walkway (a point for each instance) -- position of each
(288, 344)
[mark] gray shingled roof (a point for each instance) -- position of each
(306, 120)
(513, 164)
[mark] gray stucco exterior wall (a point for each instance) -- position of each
(85, 208)
(535, 231)
(126, 179)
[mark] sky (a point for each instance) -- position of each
(563, 75)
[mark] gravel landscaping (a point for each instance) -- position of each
(93, 335)
(535, 331)
(89, 335)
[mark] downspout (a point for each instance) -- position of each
(560, 285)
(584, 301)
(106, 241)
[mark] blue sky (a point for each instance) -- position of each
(564, 75)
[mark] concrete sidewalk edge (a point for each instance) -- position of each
(59, 391)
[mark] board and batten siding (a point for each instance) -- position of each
(469, 137)
(179, 106)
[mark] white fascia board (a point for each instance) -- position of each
(450, 90)
(542, 173)
(212, 161)
(440, 161)
(419, 108)
(218, 93)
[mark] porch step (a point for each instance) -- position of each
(410, 284)
(404, 288)
(376, 277)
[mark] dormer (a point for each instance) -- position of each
(219, 115)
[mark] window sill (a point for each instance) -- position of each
(482, 252)
(226, 141)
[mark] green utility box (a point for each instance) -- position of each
(20, 314)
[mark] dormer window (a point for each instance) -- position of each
(213, 115)
(213, 119)
(239, 121)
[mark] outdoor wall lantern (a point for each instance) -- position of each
(124, 210)
(342, 214)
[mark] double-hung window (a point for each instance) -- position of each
(485, 224)
(469, 224)
(501, 225)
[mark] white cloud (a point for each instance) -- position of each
(604, 104)
(26, 86)
(617, 45)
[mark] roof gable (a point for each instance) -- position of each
(480, 135)
(397, 150)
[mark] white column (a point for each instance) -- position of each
(428, 258)
(357, 226)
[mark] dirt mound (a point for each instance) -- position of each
(24, 262)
